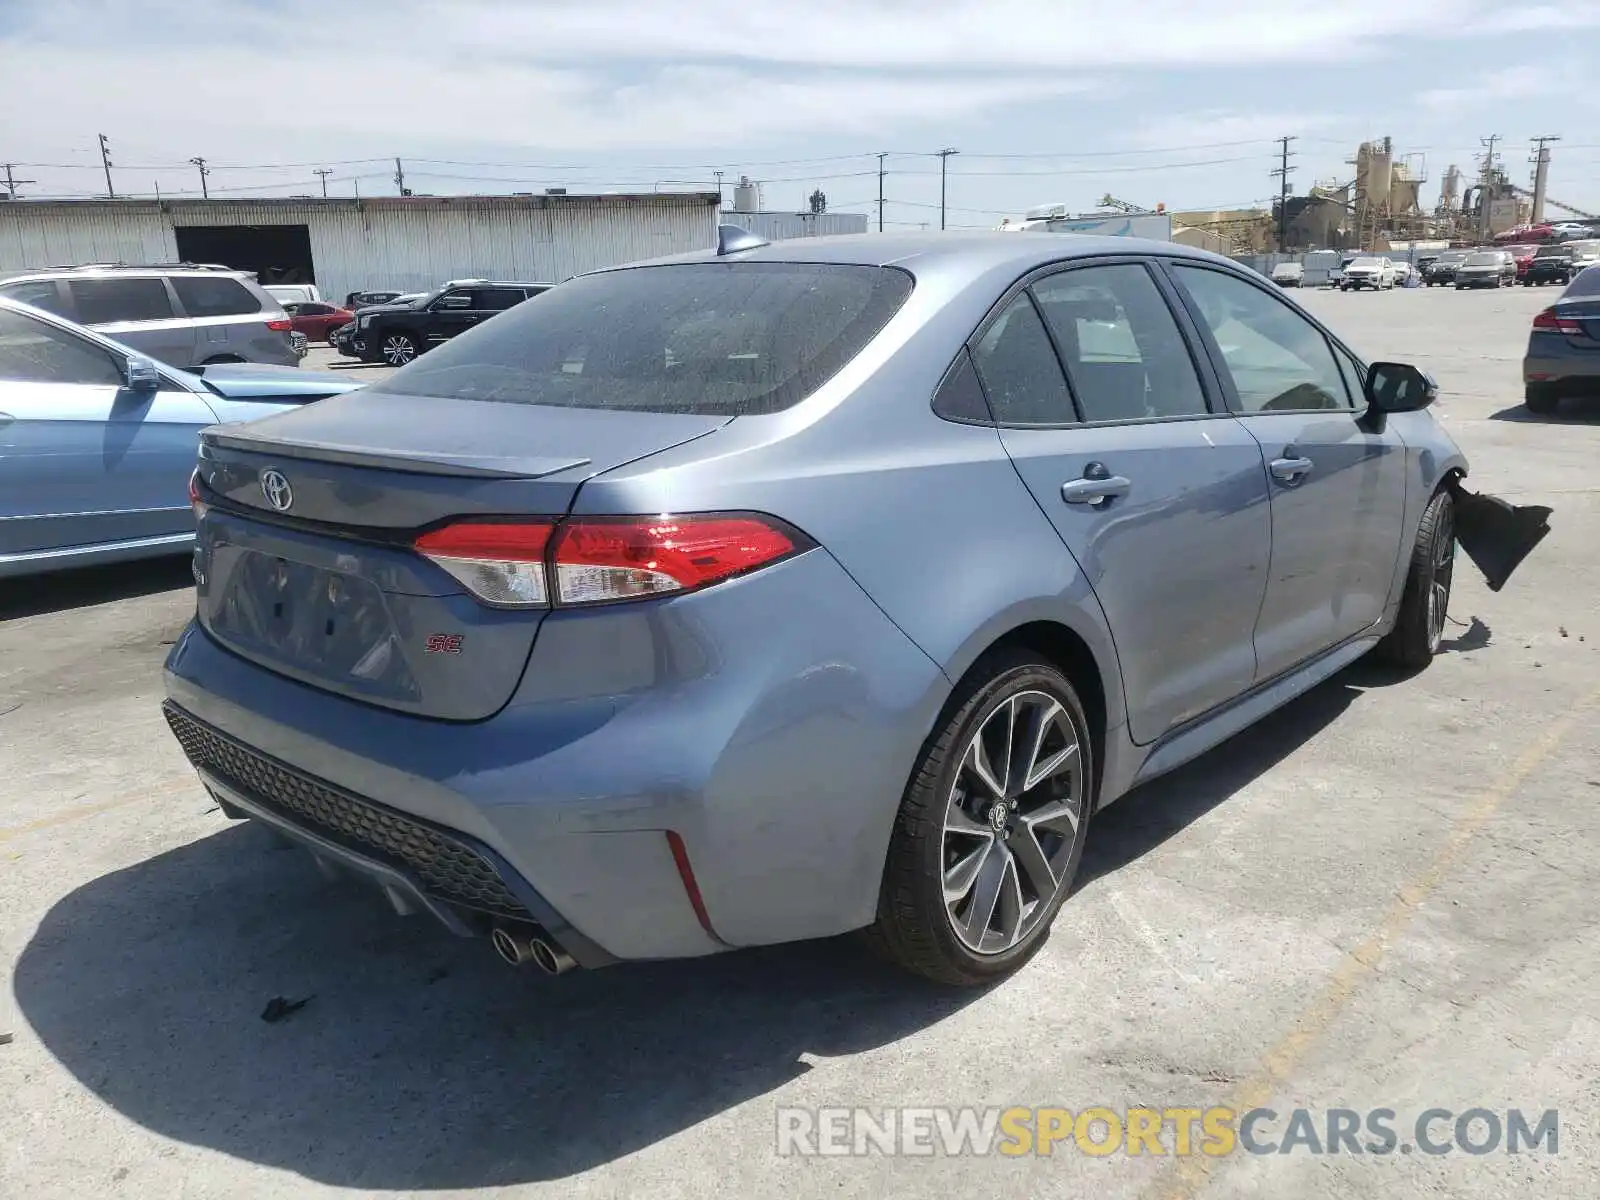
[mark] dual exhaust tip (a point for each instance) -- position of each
(517, 948)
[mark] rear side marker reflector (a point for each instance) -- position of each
(601, 560)
(691, 886)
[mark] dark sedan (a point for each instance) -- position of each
(1563, 356)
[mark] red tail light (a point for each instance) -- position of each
(195, 502)
(1548, 320)
(597, 560)
(283, 325)
(499, 562)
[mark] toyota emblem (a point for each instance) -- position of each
(276, 489)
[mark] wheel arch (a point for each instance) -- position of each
(1064, 648)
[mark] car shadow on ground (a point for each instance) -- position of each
(1149, 815)
(420, 1062)
(84, 587)
(1571, 411)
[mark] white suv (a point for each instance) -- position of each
(182, 314)
(1368, 271)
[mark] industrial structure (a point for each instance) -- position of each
(413, 243)
(776, 225)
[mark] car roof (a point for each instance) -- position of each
(970, 254)
(122, 273)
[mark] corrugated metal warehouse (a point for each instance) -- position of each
(412, 243)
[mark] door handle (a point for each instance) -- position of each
(1095, 490)
(1290, 470)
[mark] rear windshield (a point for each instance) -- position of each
(1554, 252)
(1452, 256)
(717, 339)
(1488, 258)
(1585, 283)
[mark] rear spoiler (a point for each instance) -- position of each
(480, 466)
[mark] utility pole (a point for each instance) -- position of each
(322, 173)
(400, 178)
(13, 183)
(200, 165)
(1541, 174)
(718, 174)
(1282, 173)
(1485, 181)
(881, 158)
(105, 161)
(944, 163)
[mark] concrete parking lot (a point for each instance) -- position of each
(1383, 896)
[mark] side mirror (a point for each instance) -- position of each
(1399, 387)
(140, 375)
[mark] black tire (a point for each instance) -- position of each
(914, 928)
(1419, 628)
(1542, 399)
(398, 348)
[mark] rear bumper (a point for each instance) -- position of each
(777, 761)
(1557, 368)
(459, 882)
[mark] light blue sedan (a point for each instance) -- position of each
(97, 442)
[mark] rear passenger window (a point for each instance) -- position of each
(1020, 371)
(496, 299)
(1124, 353)
(1279, 361)
(214, 296)
(103, 301)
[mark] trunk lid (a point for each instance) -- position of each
(324, 588)
(1587, 312)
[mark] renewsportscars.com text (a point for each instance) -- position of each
(1211, 1131)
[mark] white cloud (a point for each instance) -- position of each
(1512, 18)
(1221, 125)
(1510, 83)
(572, 81)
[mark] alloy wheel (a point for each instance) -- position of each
(398, 350)
(1011, 821)
(1444, 563)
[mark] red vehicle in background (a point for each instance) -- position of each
(1523, 254)
(316, 320)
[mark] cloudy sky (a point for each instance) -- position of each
(1047, 100)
